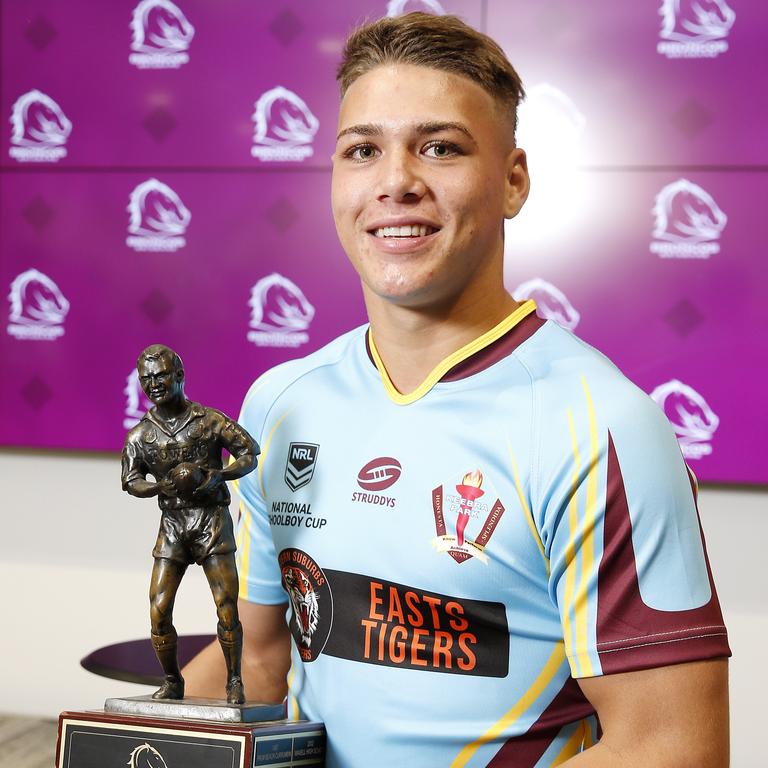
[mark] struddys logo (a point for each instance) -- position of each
(694, 29)
(464, 507)
(284, 127)
(687, 222)
(378, 475)
(551, 302)
(311, 601)
(38, 307)
(146, 756)
(39, 129)
(136, 402)
(157, 219)
(280, 313)
(161, 35)
(399, 7)
(691, 417)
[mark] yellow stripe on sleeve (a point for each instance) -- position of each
(523, 704)
(293, 701)
(244, 552)
(265, 450)
(570, 551)
(587, 545)
(526, 509)
(572, 746)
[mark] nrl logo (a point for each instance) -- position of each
(161, 35)
(551, 302)
(39, 129)
(465, 506)
(38, 307)
(146, 756)
(136, 402)
(284, 127)
(691, 417)
(158, 220)
(687, 222)
(280, 313)
(694, 29)
(300, 466)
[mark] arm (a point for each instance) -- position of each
(134, 475)
(669, 717)
(266, 657)
(243, 449)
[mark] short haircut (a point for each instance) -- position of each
(159, 352)
(439, 42)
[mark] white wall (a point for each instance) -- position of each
(75, 563)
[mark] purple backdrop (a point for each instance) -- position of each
(165, 177)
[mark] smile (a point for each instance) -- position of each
(408, 230)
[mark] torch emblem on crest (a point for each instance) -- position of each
(466, 506)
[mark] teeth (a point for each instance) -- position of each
(408, 230)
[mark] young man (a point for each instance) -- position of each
(486, 534)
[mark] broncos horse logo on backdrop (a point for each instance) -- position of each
(136, 402)
(551, 302)
(158, 218)
(304, 602)
(696, 20)
(39, 128)
(691, 417)
(284, 126)
(38, 307)
(398, 7)
(280, 312)
(146, 756)
(688, 217)
(161, 35)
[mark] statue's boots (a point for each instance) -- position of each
(165, 648)
(231, 641)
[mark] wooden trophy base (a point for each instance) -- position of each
(141, 732)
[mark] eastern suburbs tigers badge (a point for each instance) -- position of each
(311, 601)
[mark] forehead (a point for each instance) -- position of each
(156, 365)
(393, 95)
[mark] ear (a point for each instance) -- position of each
(517, 183)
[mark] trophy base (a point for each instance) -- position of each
(196, 709)
(110, 739)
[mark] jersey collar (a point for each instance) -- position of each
(466, 361)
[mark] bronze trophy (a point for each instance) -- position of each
(179, 443)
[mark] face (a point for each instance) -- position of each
(160, 382)
(424, 172)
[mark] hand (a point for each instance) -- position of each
(213, 479)
(165, 487)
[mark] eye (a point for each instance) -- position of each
(441, 149)
(360, 153)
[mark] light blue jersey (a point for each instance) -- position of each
(455, 558)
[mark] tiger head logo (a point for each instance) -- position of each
(304, 602)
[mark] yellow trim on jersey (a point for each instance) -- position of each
(291, 695)
(265, 450)
(570, 550)
(244, 550)
(572, 746)
(452, 360)
(523, 704)
(587, 545)
(526, 509)
(588, 736)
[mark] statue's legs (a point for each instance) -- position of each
(166, 577)
(221, 572)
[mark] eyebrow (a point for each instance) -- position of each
(422, 129)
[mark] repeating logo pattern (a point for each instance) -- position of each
(694, 29)
(161, 35)
(136, 402)
(691, 417)
(551, 302)
(158, 220)
(687, 222)
(38, 307)
(39, 129)
(398, 7)
(465, 505)
(284, 127)
(280, 313)
(301, 463)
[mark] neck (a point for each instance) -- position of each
(173, 408)
(412, 341)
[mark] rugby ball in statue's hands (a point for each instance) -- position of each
(187, 478)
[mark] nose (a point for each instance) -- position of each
(400, 179)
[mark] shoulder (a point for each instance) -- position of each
(139, 434)
(278, 382)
